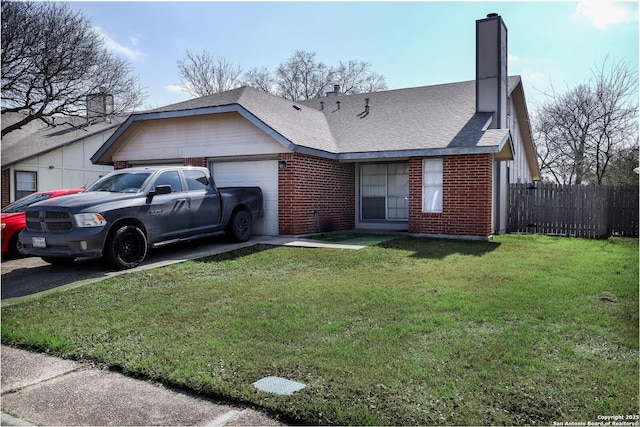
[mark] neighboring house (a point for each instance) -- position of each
(39, 157)
(433, 160)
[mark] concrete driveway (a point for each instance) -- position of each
(27, 276)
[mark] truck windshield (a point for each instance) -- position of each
(121, 182)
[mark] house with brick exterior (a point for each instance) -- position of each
(433, 160)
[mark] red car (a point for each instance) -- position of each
(13, 217)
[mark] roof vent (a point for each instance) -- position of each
(492, 15)
(321, 105)
(366, 105)
(338, 104)
(297, 107)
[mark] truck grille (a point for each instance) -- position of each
(48, 221)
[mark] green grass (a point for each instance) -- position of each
(520, 330)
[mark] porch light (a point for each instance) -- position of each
(282, 165)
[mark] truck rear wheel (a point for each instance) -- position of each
(126, 247)
(240, 226)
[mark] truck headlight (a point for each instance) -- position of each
(89, 220)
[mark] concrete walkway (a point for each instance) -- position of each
(37, 389)
(43, 390)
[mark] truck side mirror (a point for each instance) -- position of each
(163, 189)
(160, 189)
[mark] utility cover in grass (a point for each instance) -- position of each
(278, 385)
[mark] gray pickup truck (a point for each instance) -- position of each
(129, 210)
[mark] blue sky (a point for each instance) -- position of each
(410, 43)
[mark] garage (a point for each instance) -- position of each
(253, 173)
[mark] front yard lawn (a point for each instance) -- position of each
(520, 330)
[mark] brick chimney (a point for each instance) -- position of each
(491, 68)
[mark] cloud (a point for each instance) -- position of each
(173, 88)
(603, 13)
(120, 49)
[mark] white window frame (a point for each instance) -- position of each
(432, 185)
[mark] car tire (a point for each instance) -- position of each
(53, 260)
(126, 247)
(240, 227)
(14, 246)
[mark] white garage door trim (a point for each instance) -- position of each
(253, 173)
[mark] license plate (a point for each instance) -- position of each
(39, 242)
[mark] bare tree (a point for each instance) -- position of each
(302, 77)
(579, 132)
(260, 78)
(203, 74)
(357, 77)
(52, 59)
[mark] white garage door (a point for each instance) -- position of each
(257, 173)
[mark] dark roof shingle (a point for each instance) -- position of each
(38, 138)
(427, 120)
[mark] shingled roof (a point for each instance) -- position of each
(422, 121)
(37, 138)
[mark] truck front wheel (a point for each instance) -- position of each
(240, 226)
(126, 247)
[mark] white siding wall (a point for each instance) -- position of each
(66, 167)
(519, 168)
(253, 173)
(217, 135)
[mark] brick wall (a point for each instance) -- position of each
(6, 183)
(466, 197)
(196, 161)
(315, 195)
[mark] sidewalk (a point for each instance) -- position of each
(43, 390)
(37, 389)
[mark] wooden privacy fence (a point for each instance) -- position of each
(573, 210)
